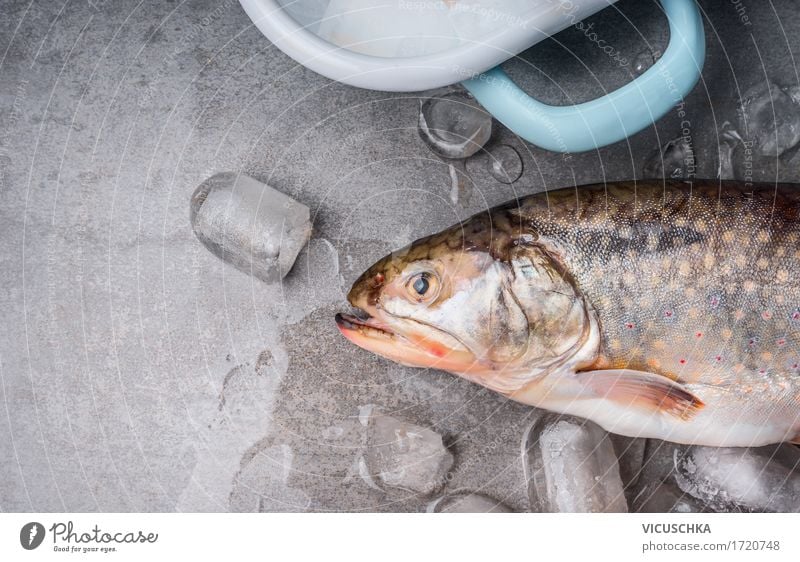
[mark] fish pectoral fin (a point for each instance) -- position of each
(648, 390)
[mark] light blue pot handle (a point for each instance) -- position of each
(615, 116)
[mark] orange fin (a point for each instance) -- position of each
(637, 388)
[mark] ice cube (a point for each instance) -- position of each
(570, 466)
(769, 119)
(406, 456)
(674, 160)
(250, 225)
(741, 479)
(740, 159)
(453, 125)
(467, 502)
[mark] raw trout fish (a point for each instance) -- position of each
(666, 310)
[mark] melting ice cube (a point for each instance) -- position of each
(741, 479)
(769, 119)
(467, 502)
(407, 456)
(570, 466)
(453, 125)
(250, 225)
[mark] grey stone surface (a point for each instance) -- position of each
(139, 372)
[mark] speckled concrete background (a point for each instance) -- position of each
(137, 371)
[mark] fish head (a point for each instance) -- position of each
(485, 300)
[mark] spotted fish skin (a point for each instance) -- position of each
(656, 309)
(695, 281)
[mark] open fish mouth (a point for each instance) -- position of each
(367, 326)
(373, 335)
(410, 348)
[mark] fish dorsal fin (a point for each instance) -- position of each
(640, 389)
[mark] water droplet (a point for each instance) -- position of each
(505, 164)
(453, 125)
(454, 184)
(645, 60)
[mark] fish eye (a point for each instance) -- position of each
(422, 287)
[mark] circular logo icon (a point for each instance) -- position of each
(31, 535)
